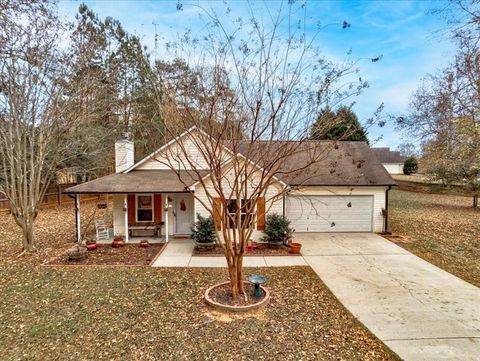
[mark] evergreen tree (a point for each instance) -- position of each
(340, 125)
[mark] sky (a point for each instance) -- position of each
(405, 33)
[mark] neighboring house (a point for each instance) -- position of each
(345, 192)
(391, 160)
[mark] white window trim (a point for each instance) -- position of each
(253, 215)
(136, 208)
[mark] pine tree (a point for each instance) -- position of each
(340, 125)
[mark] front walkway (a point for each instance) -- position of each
(178, 253)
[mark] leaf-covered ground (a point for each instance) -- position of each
(444, 230)
(102, 313)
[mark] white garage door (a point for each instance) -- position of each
(330, 213)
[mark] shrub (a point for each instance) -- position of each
(410, 165)
(203, 230)
(277, 228)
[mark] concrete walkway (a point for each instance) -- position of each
(178, 253)
(420, 311)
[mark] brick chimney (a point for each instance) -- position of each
(124, 153)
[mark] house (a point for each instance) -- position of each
(347, 191)
(391, 160)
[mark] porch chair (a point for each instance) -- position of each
(102, 230)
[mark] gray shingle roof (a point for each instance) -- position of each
(385, 155)
(137, 181)
(336, 164)
(327, 163)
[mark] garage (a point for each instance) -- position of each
(332, 213)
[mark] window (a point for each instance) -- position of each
(145, 208)
(232, 209)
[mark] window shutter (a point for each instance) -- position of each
(157, 208)
(131, 208)
(217, 212)
(261, 213)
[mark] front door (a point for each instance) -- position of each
(183, 214)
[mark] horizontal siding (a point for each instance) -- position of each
(378, 194)
(393, 168)
(175, 156)
(274, 202)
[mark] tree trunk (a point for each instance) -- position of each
(235, 272)
(239, 273)
(27, 225)
(475, 201)
(27, 237)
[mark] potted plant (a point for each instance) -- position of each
(118, 242)
(295, 247)
(203, 233)
(144, 243)
(77, 252)
(277, 230)
(91, 245)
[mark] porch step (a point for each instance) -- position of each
(181, 236)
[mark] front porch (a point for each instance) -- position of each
(156, 217)
(141, 204)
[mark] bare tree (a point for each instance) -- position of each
(39, 129)
(262, 86)
(445, 110)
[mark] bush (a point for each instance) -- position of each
(277, 229)
(410, 165)
(203, 230)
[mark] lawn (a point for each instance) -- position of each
(445, 230)
(145, 313)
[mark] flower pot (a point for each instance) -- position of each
(144, 243)
(295, 248)
(77, 253)
(202, 247)
(91, 246)
(275, 245)
(117, 243)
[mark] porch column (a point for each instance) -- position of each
(166, 218)
(125, 206)
(106, 210)
(77, 218)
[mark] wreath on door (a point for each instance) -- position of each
(183, 206)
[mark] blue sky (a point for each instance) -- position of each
(403, 32)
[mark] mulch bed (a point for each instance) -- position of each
(261, 249)
(223, 294)
(130, 254)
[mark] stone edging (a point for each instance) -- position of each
(223, 307)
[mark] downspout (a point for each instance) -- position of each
(386, 209)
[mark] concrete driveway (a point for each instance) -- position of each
(420, 311)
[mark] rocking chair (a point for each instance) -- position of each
(102, 230)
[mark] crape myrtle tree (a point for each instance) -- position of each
(262, 85)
